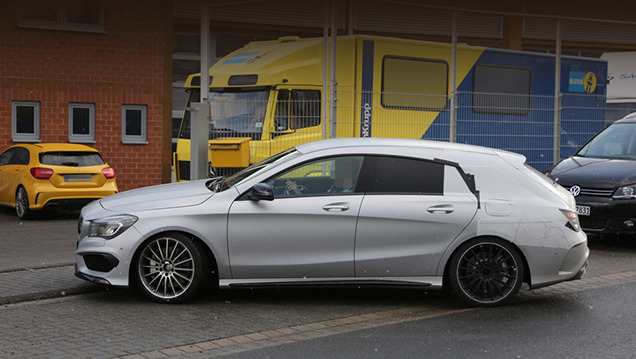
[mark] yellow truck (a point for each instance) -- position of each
(267, 96)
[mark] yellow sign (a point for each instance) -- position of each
(589, 82)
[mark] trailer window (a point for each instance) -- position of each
(501, 90)
(416, 84)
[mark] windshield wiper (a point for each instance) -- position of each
(214, 184)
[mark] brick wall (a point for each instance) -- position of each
(123, 66)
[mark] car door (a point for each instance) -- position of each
(412, 211)
(307, 231)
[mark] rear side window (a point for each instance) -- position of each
(73, 159)
(384, 174)
(15, 156)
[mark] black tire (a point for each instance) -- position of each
(22, 204)
(171, 268)
(486, 272)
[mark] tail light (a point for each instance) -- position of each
(108, 172)
(573, 220)
(41, 173)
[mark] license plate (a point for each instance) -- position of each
(583, 210)
(78, 178)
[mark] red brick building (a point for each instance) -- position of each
(95, 75)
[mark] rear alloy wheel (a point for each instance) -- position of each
(171, 268)
(22, 204)
(486, 272)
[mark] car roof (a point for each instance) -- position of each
(631, 118)
(46, 147)
(394, 142)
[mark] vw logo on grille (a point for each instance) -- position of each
(575, 190)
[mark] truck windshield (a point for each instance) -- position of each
(233, 113)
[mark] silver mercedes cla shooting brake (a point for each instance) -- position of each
(343, 211)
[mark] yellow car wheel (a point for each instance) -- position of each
(22, 204)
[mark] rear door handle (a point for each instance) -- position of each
(336, 207)
(441, 209)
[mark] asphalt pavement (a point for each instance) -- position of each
(37, 262)
(37, 258)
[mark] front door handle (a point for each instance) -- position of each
(442, 208)
(336, 207)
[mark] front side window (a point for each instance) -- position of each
(501, 90)
(25, 121)
(81, 122)
(412, 83)
(134, 124)
(334, 175)
(75, 15)
(296, 109)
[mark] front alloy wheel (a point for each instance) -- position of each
(486, 272)
(22, 204)
(171, 268)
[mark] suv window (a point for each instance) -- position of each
(73, 159)
(402, 175)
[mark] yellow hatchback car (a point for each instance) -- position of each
(46, 175)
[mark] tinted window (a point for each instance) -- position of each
(501, 90)
(74, 159)
(402, 175)
(20, 156)
(15, 156)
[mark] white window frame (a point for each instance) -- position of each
(135, 139)
(25, 137)
(61, 23)
(82, 138)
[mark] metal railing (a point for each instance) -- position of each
(518, 123)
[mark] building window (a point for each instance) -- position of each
(501, 90)
(25, 121)
(134, 122)
(414, 84)
(72, 15)
(82, 122)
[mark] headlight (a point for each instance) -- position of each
(111, 227)
(625, 192)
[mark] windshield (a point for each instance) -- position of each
(233, 113)
(239, 177)
(617, 141)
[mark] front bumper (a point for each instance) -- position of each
(607, 215)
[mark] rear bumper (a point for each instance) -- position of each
(67, 198)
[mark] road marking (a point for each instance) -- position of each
(259, 340)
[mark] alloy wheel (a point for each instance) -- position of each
(487, 273)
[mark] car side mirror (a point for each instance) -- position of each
(262, 192)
